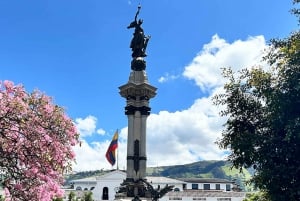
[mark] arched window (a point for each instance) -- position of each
(176, 189)
(78, 188)
(105, 193)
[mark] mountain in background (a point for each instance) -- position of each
(204, 169)
(201, 169)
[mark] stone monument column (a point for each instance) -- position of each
(138, 92)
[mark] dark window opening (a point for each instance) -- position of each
(206, 186)
(228, 187)
(105, 193)
(195, 186)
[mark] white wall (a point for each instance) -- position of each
(110, 184)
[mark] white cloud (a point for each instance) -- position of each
(100, 131)
(185, 136)
(205, 68)
(189, 135)
(172, 138)
(167, 77)
(87, 126)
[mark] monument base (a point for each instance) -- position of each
(140, 190)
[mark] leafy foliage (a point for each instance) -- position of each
(71, 196)
(257, 196)
(58, 199)
(88, 196)
(36, 139)
(263, 126)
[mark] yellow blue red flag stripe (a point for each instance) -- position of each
(111, 151)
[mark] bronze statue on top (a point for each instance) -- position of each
(138, 43)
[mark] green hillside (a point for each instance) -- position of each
(203, 169)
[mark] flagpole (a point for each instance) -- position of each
(118, 151)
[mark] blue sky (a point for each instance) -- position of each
(78, 53)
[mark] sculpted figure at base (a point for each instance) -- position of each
(145, 190)
(139, 41)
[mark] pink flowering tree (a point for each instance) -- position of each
(36, 139)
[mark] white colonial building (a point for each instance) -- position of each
(104, 187)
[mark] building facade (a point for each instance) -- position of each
(104, 187)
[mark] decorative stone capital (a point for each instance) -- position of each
(137, 91)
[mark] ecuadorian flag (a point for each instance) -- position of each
(111, 151)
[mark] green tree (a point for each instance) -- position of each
(263, 126)
(57, 199)
(71, 196)
(88, 196)
(257, 196)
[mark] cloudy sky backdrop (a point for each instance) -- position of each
(78, 53)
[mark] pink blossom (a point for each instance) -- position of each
(18, 186)
(7, 194)
(34, 170)
(39, 135)
(72, 154)
(8, 85)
